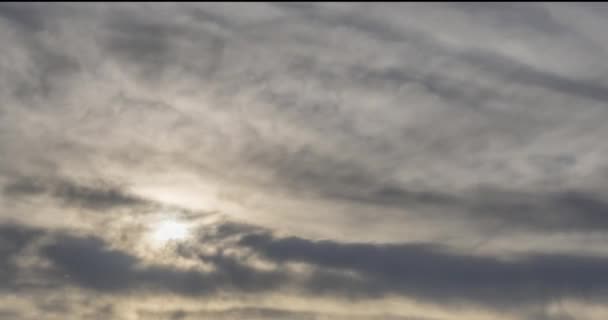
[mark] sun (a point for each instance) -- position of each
(170, 230)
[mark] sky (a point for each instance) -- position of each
(304, 161)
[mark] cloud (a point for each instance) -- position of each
(90, 264)
(356, 271)
(422, 271)
(262, 313)
(563, 211)
(8, 314)
(15, 240)
(100, 197)
(389, 130)
(428, 271)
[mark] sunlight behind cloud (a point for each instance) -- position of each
(170, 230)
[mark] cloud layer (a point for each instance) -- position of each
(331, 161)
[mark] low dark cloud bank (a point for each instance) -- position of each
(422, 271)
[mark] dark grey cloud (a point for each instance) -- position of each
(149, 47)
(563, 211)
(494, 62)
(28, 16)
(529, 75)
(96, 198)
(99, 197)
(514, 15)
(425, 271)
(484, 206)
(87, 262)
(430, 272)
(384, 31)
(52, 70)
(14, 239)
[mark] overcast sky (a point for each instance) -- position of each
(318, 161)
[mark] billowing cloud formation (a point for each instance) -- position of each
(321, 161)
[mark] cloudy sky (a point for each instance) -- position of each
(327, 161)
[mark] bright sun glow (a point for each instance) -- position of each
(170, 230)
